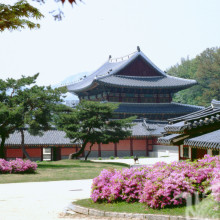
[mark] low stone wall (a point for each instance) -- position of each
(94, 212)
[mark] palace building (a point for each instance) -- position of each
(141, 88)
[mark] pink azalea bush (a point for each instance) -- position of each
(116, 185)
(215, 184)
(17, 166)
(5, 166)
(161, 185)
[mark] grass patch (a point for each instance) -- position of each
(62, 170)
(207, 208)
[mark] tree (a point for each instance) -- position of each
(205, 68)
(23, 106)
(21, 14)
(90, 123)
(18, 16)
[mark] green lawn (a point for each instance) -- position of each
(62, 170)
(204, 209)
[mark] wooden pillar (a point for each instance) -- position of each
(99, 150)
(115, 150)
(139, 98)
(41, 154)
(52, 154)
(190, 153)
(147, 153)
(170, 97)
(131, 146)
(209, 152)
(120, 97)
(179, 152)
(157, 98)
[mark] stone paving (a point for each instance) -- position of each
(144, 161)
(40, 200)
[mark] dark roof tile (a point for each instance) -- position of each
(106, 74)
(51, 137)
(210, 140)
(156, 108)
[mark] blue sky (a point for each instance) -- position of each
(165, 30)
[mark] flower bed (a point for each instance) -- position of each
(161, 185)
(17, 166)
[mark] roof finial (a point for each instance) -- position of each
(110, 56)
(138, 49)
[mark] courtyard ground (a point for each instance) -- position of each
(143, 161)
(50, 200)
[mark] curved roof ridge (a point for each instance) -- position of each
(110, 69)
(139, 77)
(200, 107)
(122, 58)
(183, 79)
(215, 103)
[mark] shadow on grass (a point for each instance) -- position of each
(77, 164)
(108, 163)
(56, 166)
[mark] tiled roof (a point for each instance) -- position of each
(147, 82)
(51, 137)
(215, 103)
(55, 137)
(106, 74)
(206, 116)
(177, 127)
(145, 129)
(167, 140)
(156, 108)
(209, 140)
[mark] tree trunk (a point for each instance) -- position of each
(2, 148)
(22, 145)
(90, 148)
(75, 155)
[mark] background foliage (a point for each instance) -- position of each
(205, 68)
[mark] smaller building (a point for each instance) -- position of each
(143, 142)
(195, 134)
(52, 145)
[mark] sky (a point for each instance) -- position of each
(165, 30)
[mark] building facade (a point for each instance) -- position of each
(195, 134)
(52, 145)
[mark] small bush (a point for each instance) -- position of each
(100, 158)
(17, 166)
(112, 158)
(5, 166)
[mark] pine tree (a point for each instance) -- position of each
(27, 106)
(90, 123)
